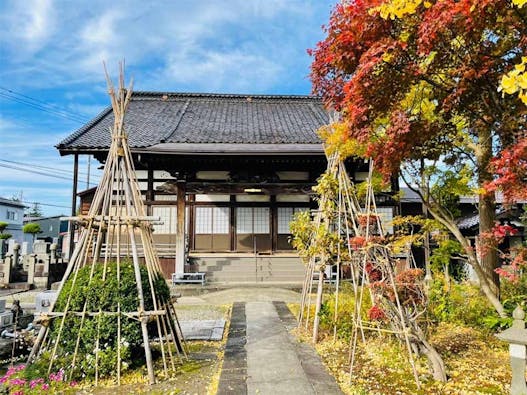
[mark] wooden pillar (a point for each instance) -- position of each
(180, 228)
(73, 203)
(274, 224)
(232, 208)
(150, 197)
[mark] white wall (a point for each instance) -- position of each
(15, 225)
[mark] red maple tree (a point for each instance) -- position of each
(420, 91)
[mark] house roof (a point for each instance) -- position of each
(409, 196)
(12, 203)
(203, 123)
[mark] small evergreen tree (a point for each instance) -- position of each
(4, 236)
(32, 228)
(35, 211)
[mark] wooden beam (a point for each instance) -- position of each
(180, 228)
(73, 203)
(150, 189)
(227, 188)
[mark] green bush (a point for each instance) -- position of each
(512, 294)
(5, 236)
(102, 295)
(460, 303)
(346, 307)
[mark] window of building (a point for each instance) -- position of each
(212, 228)
(285, 216)
(386, 216)
(168, 219)
(11, 215)
(253, 230)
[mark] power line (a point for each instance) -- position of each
(35, 172)
(42, 108)
(63, 171)
(44, 204)
(40, 101)
(41, 105)
(51, 106)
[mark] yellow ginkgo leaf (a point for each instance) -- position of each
(521, 81)
(508, 84)
(523, 97)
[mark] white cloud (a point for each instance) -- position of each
(28, 26)
(53, 50)
(76, 37)
(214, 71)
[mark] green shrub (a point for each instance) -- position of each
(32, 228)
(460, 303)
(346, 307)
(102, 295)
(5, 236)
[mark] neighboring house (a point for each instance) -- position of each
(12, 212)
(53, 228)
(226, 174)
(468, 221)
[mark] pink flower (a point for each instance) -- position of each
(35, 382)
(45, 387)
(59, 376)
(10, 372)
(73, 383)
(17, 381)
(18, 393)
(20, 367)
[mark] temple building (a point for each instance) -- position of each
(225, 173)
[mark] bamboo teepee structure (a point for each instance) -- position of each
(360, 244)
(116, 230)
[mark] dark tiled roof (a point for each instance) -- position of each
(10, 202)
(155, 118)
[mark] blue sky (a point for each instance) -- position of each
(52, 80)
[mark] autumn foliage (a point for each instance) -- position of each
(420, 85)
(429, 87)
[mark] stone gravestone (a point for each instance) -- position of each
(11, 247)
(25, 248)
(40, 247)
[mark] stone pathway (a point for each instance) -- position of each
(275, 362)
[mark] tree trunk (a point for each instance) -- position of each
(489, 258)
(487, 208)
(473, 261)
(437, 366)
(484, 283)
(318, 304)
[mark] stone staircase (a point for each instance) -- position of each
(251, 269)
